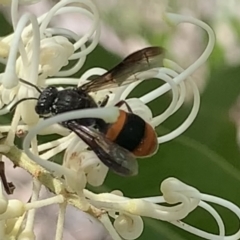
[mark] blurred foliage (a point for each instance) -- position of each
(206, 156)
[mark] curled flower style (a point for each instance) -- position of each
(127, 225)
(36, 55)
(82, 166)
(78, 157)
(174, 192)
(36, 52)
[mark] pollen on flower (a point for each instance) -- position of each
(37, 173)
(133, 206)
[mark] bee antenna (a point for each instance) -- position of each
(22, 100)
(30, 84)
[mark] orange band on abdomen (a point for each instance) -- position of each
(115, 128)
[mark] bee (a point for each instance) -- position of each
(117, 144)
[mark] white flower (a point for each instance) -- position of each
(78, 157)
(79, 162)
(41, 55)
(187, 198)
(12, 213)
(43, 51)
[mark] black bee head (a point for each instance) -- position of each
(46, 101)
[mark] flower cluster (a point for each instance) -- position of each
(37, 54)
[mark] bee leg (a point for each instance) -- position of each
(119, 104)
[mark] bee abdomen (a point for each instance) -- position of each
(132, 133)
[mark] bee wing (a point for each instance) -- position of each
(118, 159)
(136, 62)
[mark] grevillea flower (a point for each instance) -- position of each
(43, 51)
(79, 158)
(37, 53)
